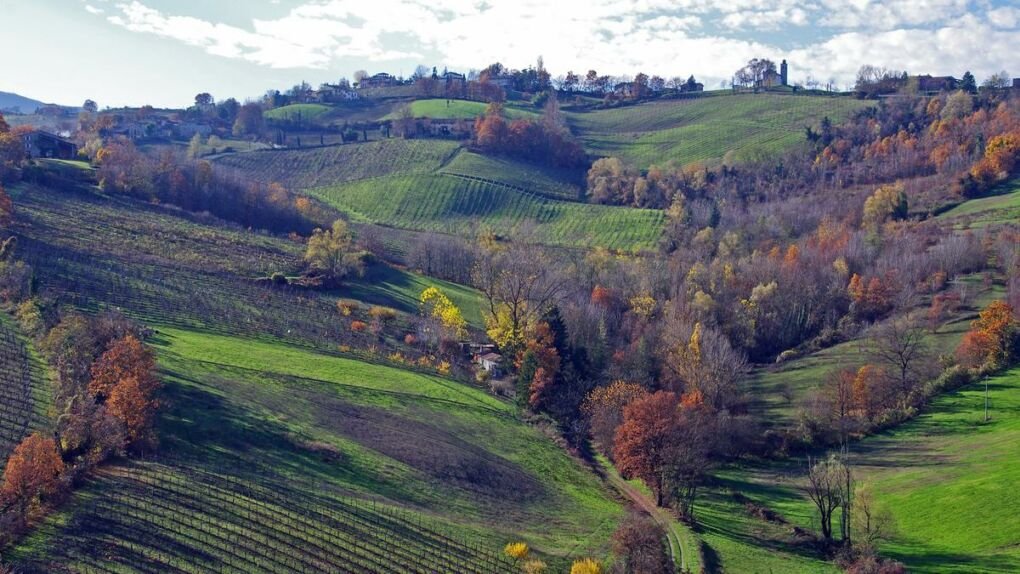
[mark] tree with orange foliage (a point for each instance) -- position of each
(133, 402)
(604, 408)
(125, 358)
(993, 339)
(666, 442)
(31, 473)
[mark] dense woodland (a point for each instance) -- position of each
(641, 357)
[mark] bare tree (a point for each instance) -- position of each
(519, 283)
(900, 345)
(827, 488)
(871, 524)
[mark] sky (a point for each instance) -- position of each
(163, 52)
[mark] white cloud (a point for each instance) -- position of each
(1004, 17)
(890, 14)
(93, 10)
(666, 37)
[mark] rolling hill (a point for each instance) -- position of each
(434, 185)
(9, 100)
(279, 453)
(706, 128)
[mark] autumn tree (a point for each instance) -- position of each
(249, 120)
(441, 314)
(604, 407)
(133, 402)
(993, 338)
(31, 472)
(125, 358)
(888, 202)
(586, 566)
(330, 252)
(700, 358)
(519, 286)
(641, 446)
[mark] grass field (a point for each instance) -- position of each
(298, 112)
(1002, 208)
(302, 169)
(441, 108)
(706, 128)
(949, 480)
(455, 205)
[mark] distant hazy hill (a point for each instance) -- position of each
(24, 105)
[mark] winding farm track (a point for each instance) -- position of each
(674, 538)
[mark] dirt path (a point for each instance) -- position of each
(674, 530)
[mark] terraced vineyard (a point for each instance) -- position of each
(550, 182)
(302, 169)
(23, 395)
(173, 517)
(454, 204)
(706, 128)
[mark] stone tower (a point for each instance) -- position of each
(784, 74)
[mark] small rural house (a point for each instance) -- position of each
(492, 363)
(44, 144)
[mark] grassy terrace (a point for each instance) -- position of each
(706, 128)
(551, 182)
(295, 112)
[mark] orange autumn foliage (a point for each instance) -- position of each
(132, 401)
(32, 470)
(992, 338)
(125, 358)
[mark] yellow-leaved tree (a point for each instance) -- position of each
(330, 252)
(436, 306)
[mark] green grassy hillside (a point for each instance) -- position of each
(269, 442)
(780, 391)
(441, 108)
(949, 480)
(454, 205)
(302, 169)
(1001, 208)
(279, 453)
(296, 112)
(706, 128)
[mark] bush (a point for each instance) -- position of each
(358, 326)
(382, 314)
(279, 279)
